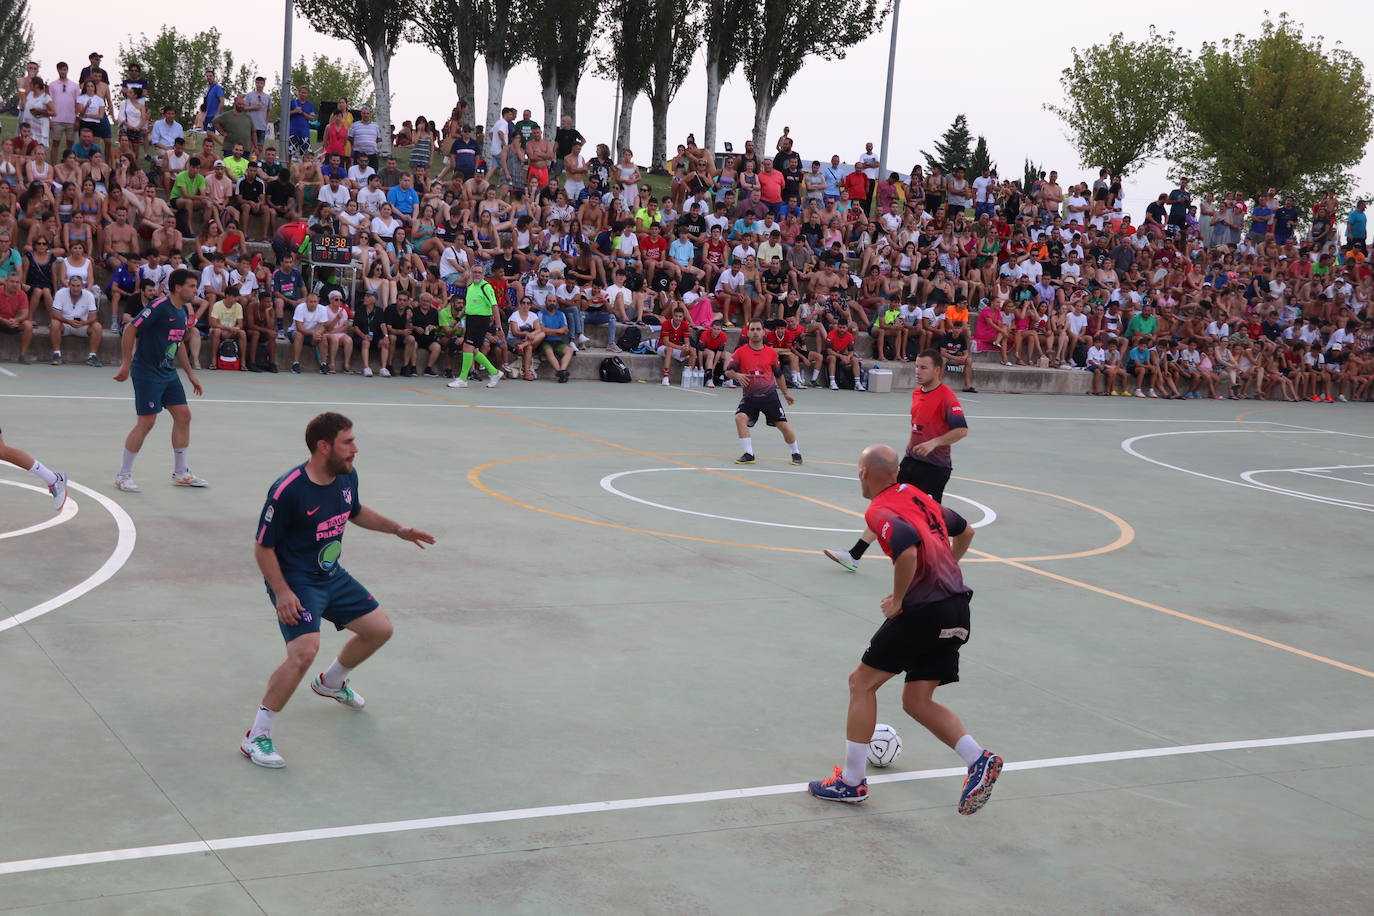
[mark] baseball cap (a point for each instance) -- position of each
(335, 294)
(219, 162)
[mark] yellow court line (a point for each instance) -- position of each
(1159, 608)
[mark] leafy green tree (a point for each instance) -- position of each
(565, 29)
(787, 34)
(1279, 110)
(16, 40)
(328, 79)
(726, 24)
(628, 59)
(375, 29)
(1030, 174)
(1121, 100)
(174, 66)
(980, 158)
(954, 147)
(448, 28)
(677, 32)
(504, 36)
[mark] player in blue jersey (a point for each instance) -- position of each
(297, 546)
(152, 351)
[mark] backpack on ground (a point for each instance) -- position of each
(844, 377)
(613, 369)
(630, 338)
(228, 356)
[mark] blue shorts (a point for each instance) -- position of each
(153, 394)
(340, 599)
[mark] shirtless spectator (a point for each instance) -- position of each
(540, 153)
(261, 326)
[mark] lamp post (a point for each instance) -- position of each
(887, 102)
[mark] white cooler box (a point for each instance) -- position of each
(880, 380)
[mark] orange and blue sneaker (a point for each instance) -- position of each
(836, 789)
(982, 776)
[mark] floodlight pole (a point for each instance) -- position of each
(887, 102)
(284, 115)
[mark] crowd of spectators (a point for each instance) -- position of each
(1233, 295)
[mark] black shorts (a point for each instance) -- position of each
(923, 641)
(424, 340)
(475, 329)
(770, 407)
(929, 478)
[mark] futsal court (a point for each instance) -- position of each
(613, 675)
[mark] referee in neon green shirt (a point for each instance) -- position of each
(480, 306)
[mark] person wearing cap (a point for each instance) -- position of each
(360, 171)
(219, 188)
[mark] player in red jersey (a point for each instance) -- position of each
(711, 350)
(675, 341)
(927, 622)
(937, 422)
(756, 368)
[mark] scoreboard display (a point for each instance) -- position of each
(331, 249)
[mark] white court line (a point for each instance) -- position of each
(69, 511)
(1128, 446)
(4, 371)
(1249, 476)
(499, 406)
(608, 484)
(627, 804)
(124, 548)
(1317, 429)
(1312, 472)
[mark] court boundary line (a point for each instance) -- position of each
(69, 512)
(48, 863)
(126, 540)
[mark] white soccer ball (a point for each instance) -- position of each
(885, 747)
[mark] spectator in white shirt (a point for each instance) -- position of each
(74, 314)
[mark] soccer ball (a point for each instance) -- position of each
(885, 747)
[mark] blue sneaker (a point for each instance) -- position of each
(982, 776)
(836, 789)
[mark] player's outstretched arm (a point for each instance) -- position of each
(373, 520)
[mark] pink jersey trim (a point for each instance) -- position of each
(286, 483)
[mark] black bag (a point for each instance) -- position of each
(613, 369)
(844, 378)
(634, 280)
(630, 338)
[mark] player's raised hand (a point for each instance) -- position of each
(415, 536)
(289, 608)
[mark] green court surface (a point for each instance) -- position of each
(625, 656)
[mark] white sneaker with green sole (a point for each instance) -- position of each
(260, 751)
(345, 694)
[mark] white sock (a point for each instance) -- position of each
(815, 374)
(44, 474)
(262, 723)
(969, 749)
(796, 449)
(179, 461)
(855, 762)
(92, 353)
(335, 675)
(56, 352)
(747, 443)
(127, 467)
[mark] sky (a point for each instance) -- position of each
(831, 106)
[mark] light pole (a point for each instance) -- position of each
(284, 115)
(887, 102)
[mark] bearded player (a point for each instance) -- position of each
(756, 368)
(299, 540)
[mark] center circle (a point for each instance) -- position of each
(67, 514)
(608, 484)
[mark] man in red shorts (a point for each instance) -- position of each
(927, 622)
(937, 422)
(756, 368)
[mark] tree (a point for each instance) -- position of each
(448, 28)
(677, 30)
(16, 40)
(502, 41)
(1121, 100)
(328, 79)
(374, 28)
(565, 29)
(628, 59)
(726, 24)
(174, 66)
(1030, 174)
(1277, 111)
(952, 150)
(789, 33)
(981, 158)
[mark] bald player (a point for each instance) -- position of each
(937, 422)
(927, 623)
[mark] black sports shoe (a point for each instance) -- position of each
(746, 458)
(324, 368)
(796, 458)
(448, 373)
(429, 371)
(296, 368)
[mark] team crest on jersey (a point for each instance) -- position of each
(267, 516)
(348, 496)
(887, 530)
